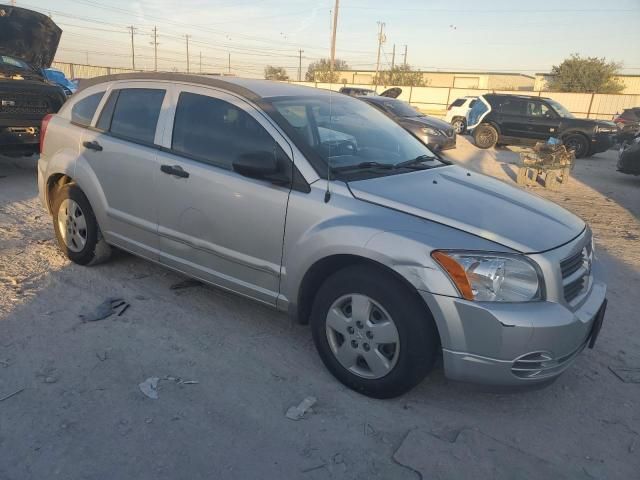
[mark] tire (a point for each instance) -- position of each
(578, 143)
(398, 365)
(485, 136)
(459, 125)
(76, 227)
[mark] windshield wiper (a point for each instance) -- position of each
(363, 165)
(416, 162)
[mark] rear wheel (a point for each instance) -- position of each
(578, 143)
(485, 136)
(76, 227)
(372, 332)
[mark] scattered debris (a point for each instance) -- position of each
(311, 469)
(5, 363)
(297, 412)
(11, 395)
(150, 387)
(50, 380)
(190, 282)
(102, 357)
(627, 375)
(106, 309)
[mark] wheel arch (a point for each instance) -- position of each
(54, 182)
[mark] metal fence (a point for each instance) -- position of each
(431, 100)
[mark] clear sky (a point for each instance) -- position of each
(503, 35)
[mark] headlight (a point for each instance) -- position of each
(429, 131)
(491, 277)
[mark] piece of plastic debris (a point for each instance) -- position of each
(297, 412)
(627, 375)
(189, 382)
(150, 387)
(6, 397)
(50, 380)
(106, 309)
(190, 282)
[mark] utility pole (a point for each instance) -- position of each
(405, 56)
(381, 40)
(393, 64)
(133, 51)
(333, 36)
(300, 65)
(155, 48)
(229, 63)
(187, 38)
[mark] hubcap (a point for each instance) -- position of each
(362, 336)
(72, 225)
(458, 125)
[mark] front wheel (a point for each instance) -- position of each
(372, 333)
(485, 136)
(459, 125)
(578, 143)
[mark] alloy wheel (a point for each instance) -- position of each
(72, 225)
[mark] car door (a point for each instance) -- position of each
(542, 121)
(214, 223)
(122, 153)
(512, 119)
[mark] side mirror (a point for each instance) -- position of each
(261, 165)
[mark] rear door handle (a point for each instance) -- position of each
(92, 146)
(174, 170)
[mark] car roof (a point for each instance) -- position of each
(509, 95)
(253, 89)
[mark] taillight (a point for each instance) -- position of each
(449, 107)
(43, 129)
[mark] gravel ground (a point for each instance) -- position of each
(79, 413)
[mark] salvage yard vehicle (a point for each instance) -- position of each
(629, 158)
(524, 120)
(458, 112)
(433, 132)
(28, 43)
(393, 255)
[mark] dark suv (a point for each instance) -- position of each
(28, 43)
(628, 123)
(519, 119)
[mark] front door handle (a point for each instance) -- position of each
(176, 170)
(92, 146)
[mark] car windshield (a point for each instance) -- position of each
(347, 133)
(11, 62)
(400, 108)
(560, 109)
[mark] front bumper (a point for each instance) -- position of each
(512, 343)
(19, 139)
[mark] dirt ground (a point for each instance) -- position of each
(79, 413)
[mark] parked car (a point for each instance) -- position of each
(391, 254)
(28, 43)
(434, 133)
(629, 158)
(458, 111)
(520, 119)
(58, 77)
(628, 123)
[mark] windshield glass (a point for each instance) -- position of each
(560, 109)
(346, 132)
(400, 108)
(6, 61)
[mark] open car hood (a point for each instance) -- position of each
(28, 35)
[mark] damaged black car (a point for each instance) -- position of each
(28, 44)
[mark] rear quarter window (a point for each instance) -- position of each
(83, 110)
(457, 103)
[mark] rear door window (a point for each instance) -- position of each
(83, 110)
(457, 103)
(512, 106)
(135, 114)
(216, 132)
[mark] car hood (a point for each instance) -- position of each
(474, 203)
(28, 35)
(426, 121)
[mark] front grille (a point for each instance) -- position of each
(24, 104)
(578, 263)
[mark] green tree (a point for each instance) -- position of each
(585, 75)
(275, 73)
(401, 75)
(320, 71)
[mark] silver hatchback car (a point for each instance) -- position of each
(319, 205)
